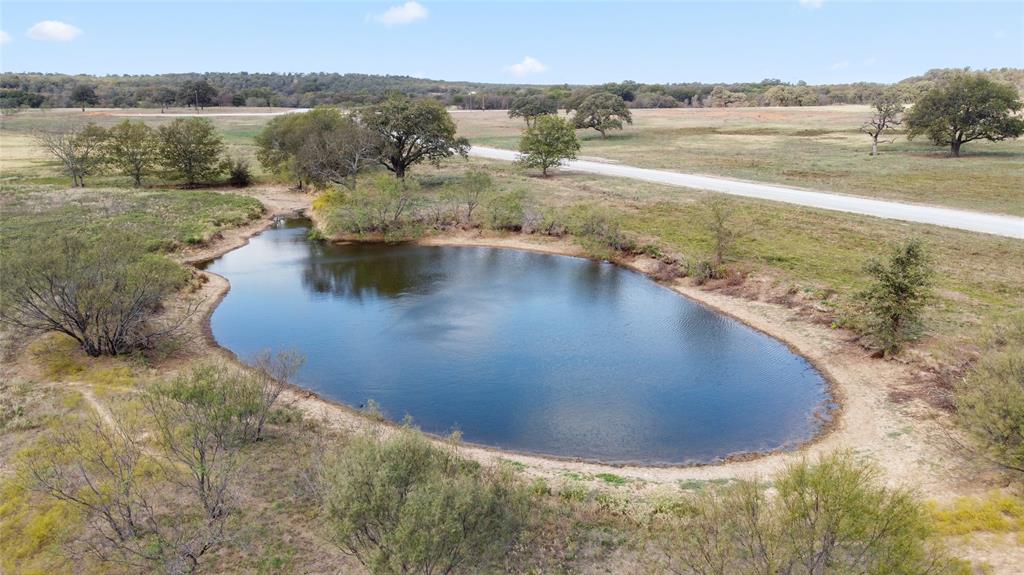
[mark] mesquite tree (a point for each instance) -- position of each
(78, 149)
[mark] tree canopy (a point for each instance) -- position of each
(602, 111)
(966, 107)
(412, 131)
(547, 142)
(532, 106)
(192, 148)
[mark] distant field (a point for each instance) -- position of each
(817, 147)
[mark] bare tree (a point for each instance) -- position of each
(97, 465)
(887, 109)
(271, 374)
(78, 149)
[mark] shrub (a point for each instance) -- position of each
(467, 193)
(719, 221)
(381, 206)
(830, 516)
(597, 229)
(191, 148)
(894, 302)
(990, 405)
(102, 294)
(506, 211)
(402, 505)
(239, 174)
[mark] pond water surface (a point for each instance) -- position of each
(519, 350)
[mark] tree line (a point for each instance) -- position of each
(35, 90)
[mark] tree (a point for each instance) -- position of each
(887, 108)
(412, 131)
(338, 154)
(718, 220)
(402, 505)
(602, 111)
(79, 150)
(101, 294)
(198, 93)
(532, 106)
(966, 107)
(547, 143)
(192, 148)
(84, 94)
(131, 148)
(895, 300)
(165, 97)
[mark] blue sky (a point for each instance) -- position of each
(818, 41)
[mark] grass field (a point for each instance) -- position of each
(819, 147)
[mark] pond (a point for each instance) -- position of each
(518, 350)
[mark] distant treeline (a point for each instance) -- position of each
(33, 90)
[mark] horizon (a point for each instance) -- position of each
(815, 41)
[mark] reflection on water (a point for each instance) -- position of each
(520, 350)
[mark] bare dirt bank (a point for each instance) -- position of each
(909, 441)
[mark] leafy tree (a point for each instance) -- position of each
(165, 97)
(602, 111)
(101, 294)
(532, 106)
(412, 131)
(79, 150)
(402, 505)
(966, 107)
(192, 148)
(548, 142)
(198, 93)
(83, 95)
(897, 296)
(131, 148)
(887, 108)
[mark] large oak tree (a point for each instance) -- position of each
(966, 107)
(412, 131)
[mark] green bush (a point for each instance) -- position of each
(239, 173)
(894, 303)
(990, 400)
(598, 229)
(384, 205)
(506, 211)
(834, 515)
(402, 505)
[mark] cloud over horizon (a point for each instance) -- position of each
(5, 38)
(53, 31)
(527, 67)
(406, 13)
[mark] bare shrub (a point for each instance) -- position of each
(79, 150)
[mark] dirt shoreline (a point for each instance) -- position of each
(909, 441)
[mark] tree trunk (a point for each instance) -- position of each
(400, 171)
(874, 146)
(954, 148)
(603, 135)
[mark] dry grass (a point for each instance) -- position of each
(818, 147)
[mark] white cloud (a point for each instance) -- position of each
(528, 66)
(53, 31)
(407, 13)
(841, 65)
(812, 4)
(5, 38)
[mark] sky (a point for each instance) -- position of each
(817, 41)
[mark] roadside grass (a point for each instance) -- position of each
(817, 255)
(813, 147)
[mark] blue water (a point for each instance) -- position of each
(519, 350)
